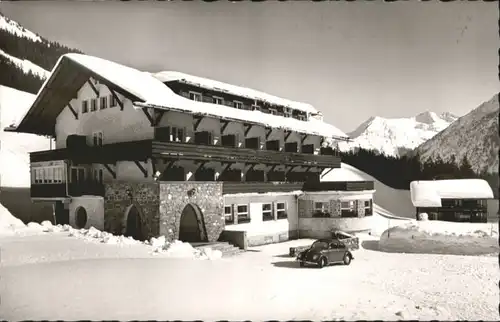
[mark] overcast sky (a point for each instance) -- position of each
(350, 60)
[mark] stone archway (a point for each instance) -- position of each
(192, 226)
(133, 223)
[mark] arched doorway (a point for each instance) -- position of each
(192, 227)
(133, 225)
(81, 217)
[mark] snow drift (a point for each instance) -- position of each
(439, 237)
(9, 223)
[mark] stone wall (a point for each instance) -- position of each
(175, 196)
(120, 196)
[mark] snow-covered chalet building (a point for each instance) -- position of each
(189, 158)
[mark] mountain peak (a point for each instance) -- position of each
(427, 117)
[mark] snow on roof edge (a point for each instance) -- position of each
(166, 76)
(428, 193)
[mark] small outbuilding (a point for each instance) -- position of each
(459, 200)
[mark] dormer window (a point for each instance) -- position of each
(287, 112)
(195, 96)
(218, 100)
(238, 105)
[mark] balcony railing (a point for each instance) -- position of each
(216, 153)
(339, 186)
(259, 187)
(59, 190)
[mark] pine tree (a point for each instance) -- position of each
(465, 169)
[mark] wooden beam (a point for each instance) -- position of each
(116, 98)
(272, 168)
(307, 169)
(327, 172)
(73, 110)
(158, 117)
(251, 167)
(224, 126)
(93, 88)
(268, 132)
(247, 130)
(150, 118)
(291, 169)
(197, 122)
(143, 170)
(287, 134)
(110, 170)
(202, 164)
(322, 141)
(224, 170)
(304, 137)
(153, 164)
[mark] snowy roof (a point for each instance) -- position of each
(430, 193)
(145, 89)
(168, 76)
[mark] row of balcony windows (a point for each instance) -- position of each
(284, 111)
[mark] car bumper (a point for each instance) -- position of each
(307, 261)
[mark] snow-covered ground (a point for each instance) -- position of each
(51, 272)
(54, 276)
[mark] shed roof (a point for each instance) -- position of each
(430, 193)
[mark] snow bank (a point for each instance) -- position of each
(9, 223)
(16, 29)
(177, 249)
(26, 66)
(439, 237)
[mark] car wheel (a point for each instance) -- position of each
(347, 259)
(301, 264)
(322, 262)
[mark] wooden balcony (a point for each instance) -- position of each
(339, 186)
(58, 190)
(259, 187)
(109, 153)
(142, 150)
(177, 151)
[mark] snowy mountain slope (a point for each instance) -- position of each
(16, 29)
(474, 135)
(389, 136)
(14, 147)
(26, 66)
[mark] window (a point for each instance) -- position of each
(321, 210)
(170, 134)
(273, 111)
(238, 105)
(97, 138)
(255, 107)
(112, 101)
(267, 212)
(242, 212)
(368, 207)
(287, 112)
(218, 100)
(104, 103)
(347, 209)
(85, 106)
(195, 96)
(228, 215)
(281, 210)
(93, 105)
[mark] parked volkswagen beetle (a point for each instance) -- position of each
(324, 252)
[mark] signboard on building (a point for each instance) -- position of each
(56, 163)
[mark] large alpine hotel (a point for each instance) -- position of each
(189, 158)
